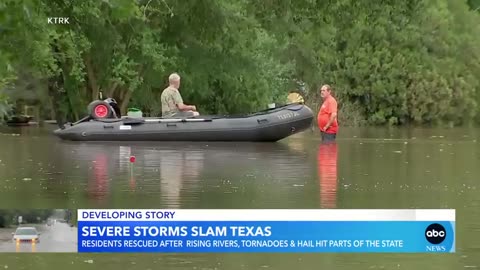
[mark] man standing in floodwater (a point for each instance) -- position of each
(327, 116)
(172, 102)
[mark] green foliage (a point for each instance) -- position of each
(5, 107)
(6, 76)
(394, 62)
(398, 62)
(10, 217)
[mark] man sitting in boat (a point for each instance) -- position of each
(172, 102)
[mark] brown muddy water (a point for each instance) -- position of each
(366, 168)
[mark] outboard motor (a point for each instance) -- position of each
(103, 109)
(116, 109)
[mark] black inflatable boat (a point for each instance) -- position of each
(265, 126)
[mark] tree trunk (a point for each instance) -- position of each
(91, 77)
(112, 89)
(37, 116)
(55, 88)
(125, 101)
(56, 101)
(52, 111)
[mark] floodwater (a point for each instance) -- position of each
(366, 168)
(59, 237)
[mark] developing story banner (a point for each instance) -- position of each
(272, 230)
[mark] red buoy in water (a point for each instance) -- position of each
(132, 159)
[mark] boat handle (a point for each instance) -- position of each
(105, 126)
(171, 125)
(262, 121)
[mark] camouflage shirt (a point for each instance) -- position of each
(170, 98)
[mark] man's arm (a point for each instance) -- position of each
(333, 114)
(184, 107)
(330, 121)
(180, 105)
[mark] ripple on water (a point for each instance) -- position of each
(394, 173)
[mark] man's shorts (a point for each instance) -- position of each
(328, 137)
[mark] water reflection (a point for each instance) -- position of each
(327, 156)
(132, 182)
(25, 248)
(171, 171)
(125, 163)
(98, 185)
(388, 168)
(154, 170)
(178, 175)
(176, 168)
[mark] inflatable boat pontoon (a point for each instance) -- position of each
(266, 126)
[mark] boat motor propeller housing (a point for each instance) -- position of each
(104, 109)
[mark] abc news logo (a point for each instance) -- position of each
(435, 233)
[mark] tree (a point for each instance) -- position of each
(389, 63)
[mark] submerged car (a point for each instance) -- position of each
(26, 234)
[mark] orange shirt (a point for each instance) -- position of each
(329, 106)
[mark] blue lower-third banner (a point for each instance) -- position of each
(267, 236)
